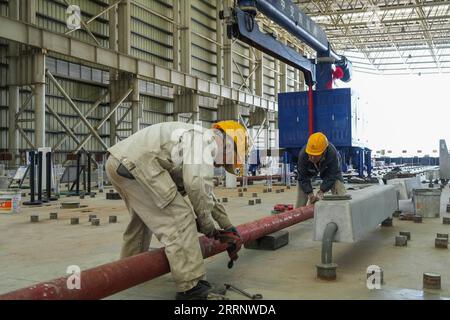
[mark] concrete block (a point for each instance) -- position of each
(254, 195)
(446, 220)
(441, 243)
(224, 200)
(357, 216)
(241, 194)
(269, 190)
(53, 215)
(74, 220)
(271, 241)
(244, 189)
(401, 241)
(264, 190)
(92, 195)
(34, 218)
(405, 186)
(431, 281)
(281, 190)
(442, 235)
(251, 202)
(112, 219)
(417, 218)
(95, 222)
(278, 191)
(258, 201)
(288, 187)
(113, 196)
(92, 216)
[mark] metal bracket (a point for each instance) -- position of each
(245, 28)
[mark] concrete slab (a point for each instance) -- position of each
(405, 186)
(357, 216)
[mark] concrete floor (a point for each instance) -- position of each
(34, 252)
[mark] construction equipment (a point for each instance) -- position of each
(256, 296)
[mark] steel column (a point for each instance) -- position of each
(39, 115)
(124, 26)
(13, 135)
(13, 91)
(219, 40)
(108, 279)
(185, 36)
(136, 113)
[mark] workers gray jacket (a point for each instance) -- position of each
(329, 169)
(172, 157)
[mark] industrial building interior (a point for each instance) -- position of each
(78, 77)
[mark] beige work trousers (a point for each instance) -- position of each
(302, 198)
(174, 226)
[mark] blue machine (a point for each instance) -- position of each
(336, 114)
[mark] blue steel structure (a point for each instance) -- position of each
(336, 114)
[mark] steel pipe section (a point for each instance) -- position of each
(110, 278)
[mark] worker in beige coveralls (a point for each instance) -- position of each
(164, 173)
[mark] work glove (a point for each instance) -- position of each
(233, 239)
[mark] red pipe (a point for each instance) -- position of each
(310, 110)
(110, 278)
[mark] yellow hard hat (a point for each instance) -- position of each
(238, 134)
(317, 143)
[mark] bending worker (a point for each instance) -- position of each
(318, 157)
(164, 173)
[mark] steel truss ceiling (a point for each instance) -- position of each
(387, 36)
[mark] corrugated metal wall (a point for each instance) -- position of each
(152, 39)
(152, 35)
(203, 23)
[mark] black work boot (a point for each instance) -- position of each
(199, 292)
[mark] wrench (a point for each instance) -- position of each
(256, 296)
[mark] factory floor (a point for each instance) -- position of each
(35, 252)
